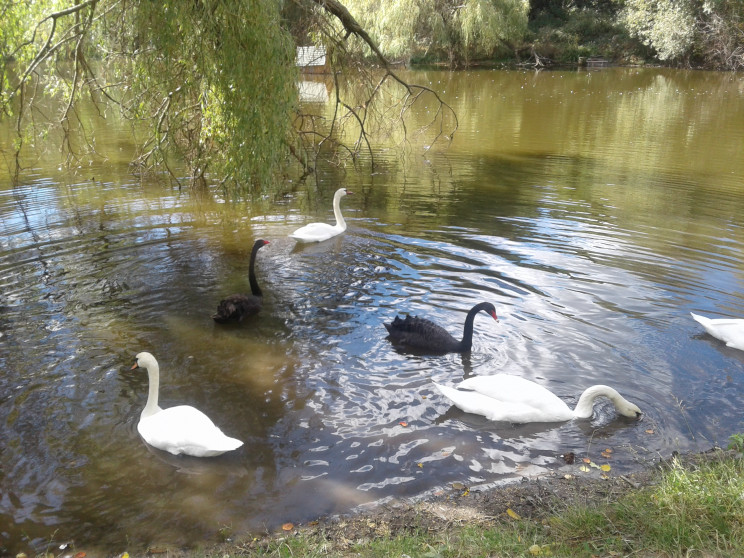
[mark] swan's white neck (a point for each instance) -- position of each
(153, 374)
(340, 223)
(585, 406)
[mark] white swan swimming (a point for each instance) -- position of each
(728, 330)
(181, 429)
(503, 397)
(318, 232)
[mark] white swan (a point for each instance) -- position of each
(318, 232)
(508, 398)
(180, 429)
(728, 330)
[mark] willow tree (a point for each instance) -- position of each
(710, 31)
(210, 83)
(461, 30)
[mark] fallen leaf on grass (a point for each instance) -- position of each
(511, 513)
(537, 550)
(287, 527)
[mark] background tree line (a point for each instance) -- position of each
(212, 83)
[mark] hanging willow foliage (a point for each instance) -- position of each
(208, 83)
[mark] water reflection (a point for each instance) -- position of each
(595, 211)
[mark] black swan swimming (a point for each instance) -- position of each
(420, 333)
(238, 306)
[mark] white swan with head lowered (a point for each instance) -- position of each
(181, 429)
(318, 232)
(508, 398)
(728, 330)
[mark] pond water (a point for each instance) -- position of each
(594, 209)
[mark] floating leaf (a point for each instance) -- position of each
(568, 477)
(287, 526)
(421, 465)
(650, 431)
(586, 460)
(403, 423)
(605, 467)
(606, 455)
(584, 469)
(511, 513)
(608, 450)
(593, 464)
(80, 555)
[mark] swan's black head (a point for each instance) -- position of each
(488, 308)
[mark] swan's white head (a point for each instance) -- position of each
(341, 192)
(144, 360)
(627, 409)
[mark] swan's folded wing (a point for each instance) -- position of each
(316, 232)
(499, 411)
(509, 388)
(184, 429)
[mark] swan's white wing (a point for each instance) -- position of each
(728, 330)
(316, 232)
(184, 429)
(515, 390)
(502, 407)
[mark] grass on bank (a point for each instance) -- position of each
(689, 510)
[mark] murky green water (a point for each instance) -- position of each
(595, 210)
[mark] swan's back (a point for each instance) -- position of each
(317, 232)
(728, 330)
(504, 397)
(421, 333)
(237, 307)
(185, 429)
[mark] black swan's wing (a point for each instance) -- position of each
(421, 333)
(236, 307)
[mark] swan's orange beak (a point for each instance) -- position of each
(134, 366)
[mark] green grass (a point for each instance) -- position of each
(693, 510)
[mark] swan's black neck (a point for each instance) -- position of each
(467, 334)
(255, 289)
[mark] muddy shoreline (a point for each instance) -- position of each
(531, 499)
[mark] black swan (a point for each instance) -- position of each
(238, 306)
(420, 333)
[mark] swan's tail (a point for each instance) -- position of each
(702, 320)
